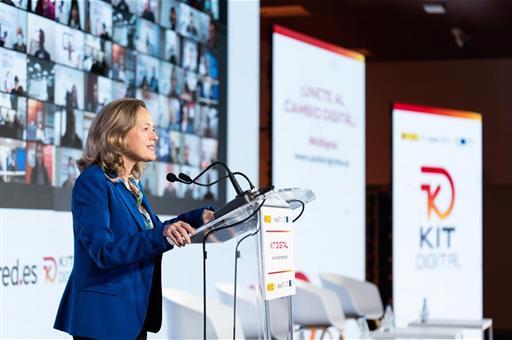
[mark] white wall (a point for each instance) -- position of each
(243, 87)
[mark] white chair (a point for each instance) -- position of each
(248, 312)
(317, 308)
(358, 298)
(184, 313)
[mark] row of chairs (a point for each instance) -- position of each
(314, 308)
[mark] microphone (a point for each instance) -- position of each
(187, 178)
(242, 197)
(173, 178)
(184, 178)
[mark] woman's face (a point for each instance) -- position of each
(141, 139)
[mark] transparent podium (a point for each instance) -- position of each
(268, 216)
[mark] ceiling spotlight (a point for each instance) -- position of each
(434, 8)
(460, 37)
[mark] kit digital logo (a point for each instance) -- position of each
(432, 193)
(50, 268)
(57, 269)
(436, 238)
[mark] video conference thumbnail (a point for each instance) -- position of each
(100, 19)
(123, 64)
(13, 70)
(71, 13)
(61, 61)
(69, 46)
(12, 161)
(148, 38)
(97, 55)
(13, 116)
(41, 122)
(41, 79)
(13, 28)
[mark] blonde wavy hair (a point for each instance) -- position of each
(105, 144)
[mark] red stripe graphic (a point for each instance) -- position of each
(437, 111)
(282, 271)
(318, 43)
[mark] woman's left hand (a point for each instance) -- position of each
(207, 216)
(178, 233)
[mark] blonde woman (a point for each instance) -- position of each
(114, 290)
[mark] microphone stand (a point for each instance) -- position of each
(242, 197)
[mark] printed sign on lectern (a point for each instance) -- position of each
(278, 259)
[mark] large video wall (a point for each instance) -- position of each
(61, 61)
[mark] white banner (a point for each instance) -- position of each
(277, 247)
(437, 212)
(36, 259)
(318, 143)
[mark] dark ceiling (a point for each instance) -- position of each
(401, 30)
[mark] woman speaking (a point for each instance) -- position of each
(114, 290)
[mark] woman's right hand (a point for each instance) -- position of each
(178, 233)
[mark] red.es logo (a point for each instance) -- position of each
(432, 193)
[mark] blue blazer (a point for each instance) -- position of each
(115, 261)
